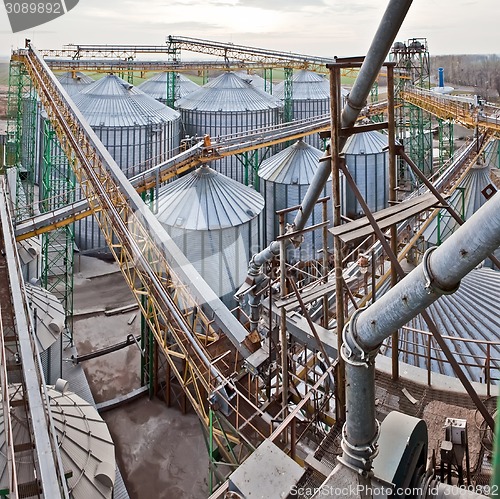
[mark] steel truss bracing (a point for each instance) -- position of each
(192, 343)
(446, 144)
(57, 189)
(257, 56)
(456, 109)
(414, 127)
(21, 136)
(122, 58)
(288, 95)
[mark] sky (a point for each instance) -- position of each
(314, 27)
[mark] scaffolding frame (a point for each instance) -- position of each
(57, 189)
(413, 124)
(21, 136)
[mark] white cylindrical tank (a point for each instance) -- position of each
(215, 221)
(283, 181)
(368, 163)
(228, 105)
(137, 130)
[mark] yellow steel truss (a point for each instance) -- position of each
(180, 327)
(464, 113)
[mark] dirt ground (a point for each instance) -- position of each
(161, 453)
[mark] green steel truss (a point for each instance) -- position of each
(171, 88)
(445, 134)
(21, 152)
(57, 189)
(413, 125)
(288, 95)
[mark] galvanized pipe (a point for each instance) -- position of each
(440, 273)
(381, 44)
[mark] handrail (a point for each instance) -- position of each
(7, 420)
(46, 447)
(488, 363)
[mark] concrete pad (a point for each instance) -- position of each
(161, 453)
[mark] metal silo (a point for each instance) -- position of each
(466, 200)
(225, 106)
(156, 87)
(138, 131)
(284, 180)
(368, 163)
(74, 81)
(86, 447)
(84, 443)
(215, 221)
(310, 97)
(256, 81)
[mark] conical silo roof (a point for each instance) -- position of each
(366, 143)
(207, 200)
(50, 316)
(306, 85)
(86, 446)
(255, 80)
(296, 164)
(112, 102)
(228, 92)
(74, 82)
(469, 313)
(156, 86)
(466, 200)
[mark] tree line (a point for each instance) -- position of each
(479, 71)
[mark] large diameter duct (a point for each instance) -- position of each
(356, 100)
(382, 42)
(438, 274)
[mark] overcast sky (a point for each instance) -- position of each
(316, 27)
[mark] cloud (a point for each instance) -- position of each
(283, 5)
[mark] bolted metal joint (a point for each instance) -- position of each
(359, 457)
(295, 239)
(352, 352)
(431, 284)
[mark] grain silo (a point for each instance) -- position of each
(87, 449)
(283, 181)
(157, 85)
(256, 81)
(367, 160)
(310, 96)
(215, 221)
(466, 200)
(85, 444)
(225, 106)
(469, 323)
(138, 131)
(74, 81)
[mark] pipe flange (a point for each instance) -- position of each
(354, 106)
(431, 285)
(360, 456)
(352, 352)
